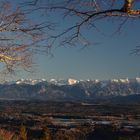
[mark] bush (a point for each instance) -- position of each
(46, 134)
(23, 133)
(7, 135)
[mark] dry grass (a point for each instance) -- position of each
(8, 135)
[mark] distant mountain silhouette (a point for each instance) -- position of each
(121, 90)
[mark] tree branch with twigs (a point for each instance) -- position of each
(87, 14)
(19, 38)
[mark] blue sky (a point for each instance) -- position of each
(109, 58)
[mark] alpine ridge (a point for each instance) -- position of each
(69, 89)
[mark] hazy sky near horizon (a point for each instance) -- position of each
(109, 56)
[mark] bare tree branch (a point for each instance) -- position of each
(87, 12)
(19, 37)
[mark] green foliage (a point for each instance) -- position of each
(23, 132)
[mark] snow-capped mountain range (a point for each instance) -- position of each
(71, 81)
(70, 89)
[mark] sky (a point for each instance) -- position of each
(108, 57)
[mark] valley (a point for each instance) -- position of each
(82, 119)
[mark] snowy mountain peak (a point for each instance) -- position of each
(115, 80)
(124, 80)
(138, 79)
(72, 81)
(29, 81)
(69, 81)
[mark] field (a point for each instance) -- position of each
(71, 120)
